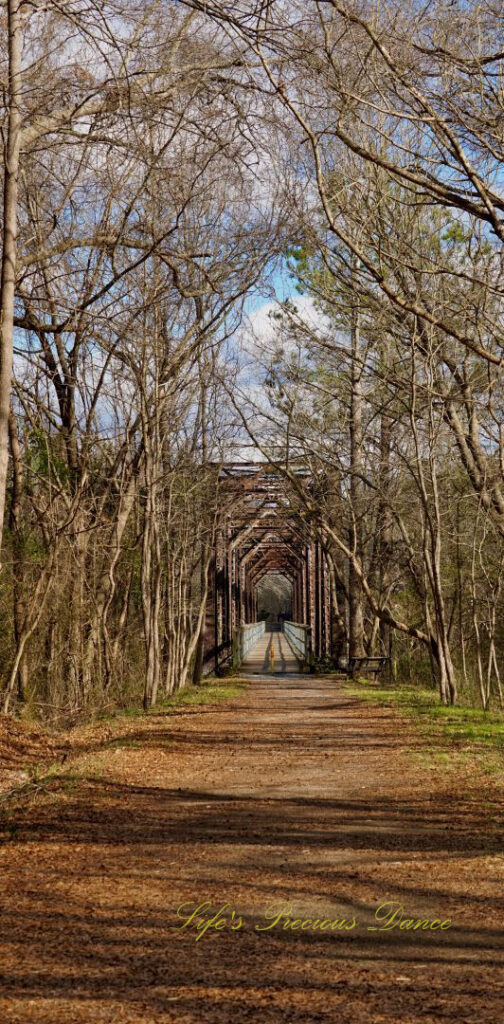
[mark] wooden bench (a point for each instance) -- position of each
(356, 666)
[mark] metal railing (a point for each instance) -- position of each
(245, 638)
(299, 639)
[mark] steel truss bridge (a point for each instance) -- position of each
(261, 534)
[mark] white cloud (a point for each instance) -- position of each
(262, 329)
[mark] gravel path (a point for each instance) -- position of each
(292, 802)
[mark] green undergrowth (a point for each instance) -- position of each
(211, 691)
(450, 735)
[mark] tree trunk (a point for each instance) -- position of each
(385, 527)
(356, 615)
(18, 556)
(9, 251)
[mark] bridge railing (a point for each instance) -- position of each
(245, 638)
(298, 636)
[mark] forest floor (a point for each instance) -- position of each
(295, 794)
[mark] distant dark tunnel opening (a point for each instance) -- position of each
(274, 598)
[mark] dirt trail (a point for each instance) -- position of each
(292, 793)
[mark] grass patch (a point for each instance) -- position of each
(452, 735)
(211, 691)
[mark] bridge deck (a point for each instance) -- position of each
(258, 661)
